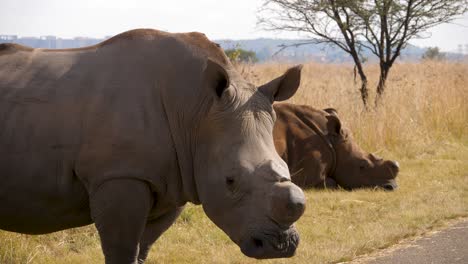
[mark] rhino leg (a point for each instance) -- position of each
(327, 183)
(330, 183)
(154, 229)
(120, 209)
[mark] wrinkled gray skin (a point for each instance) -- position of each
(124, 133)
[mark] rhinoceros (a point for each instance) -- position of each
(321, 153)
(124, 133)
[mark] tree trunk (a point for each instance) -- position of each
(384, 70)
(364, 90)
(358, 66)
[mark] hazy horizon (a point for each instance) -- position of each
(218, 19)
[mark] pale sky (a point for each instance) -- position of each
(218, 19)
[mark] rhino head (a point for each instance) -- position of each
(244, 186)
(356, 168)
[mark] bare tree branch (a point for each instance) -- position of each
(382, 27)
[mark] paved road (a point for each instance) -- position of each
(448, 246)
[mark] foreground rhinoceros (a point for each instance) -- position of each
(320, 153)
(126, 132)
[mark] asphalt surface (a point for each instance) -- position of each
(448, 246)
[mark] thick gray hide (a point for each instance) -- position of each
(124, 133)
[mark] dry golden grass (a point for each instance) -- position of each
(423, 123)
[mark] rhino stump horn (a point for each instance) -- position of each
(288, 203)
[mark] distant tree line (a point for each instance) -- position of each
(433, 53)
(240, 55)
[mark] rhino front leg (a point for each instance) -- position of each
(120, 209)
(330, 183)
(154, 229)
(327, 183)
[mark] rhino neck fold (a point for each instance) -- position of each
(328, 143)
(185, 100)
(187, 189)
(184, 107)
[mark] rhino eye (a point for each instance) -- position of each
(363, 164)
(229, 181)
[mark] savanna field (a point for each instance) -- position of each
(422, 123)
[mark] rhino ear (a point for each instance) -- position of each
(216, 77)
(334, 126)
(331, 111)
(283, 87)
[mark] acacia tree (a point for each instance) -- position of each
(383, 27)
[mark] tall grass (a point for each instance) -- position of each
(422, 123)
(424, 103)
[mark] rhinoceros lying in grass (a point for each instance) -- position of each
(126, 132)
(320, 153)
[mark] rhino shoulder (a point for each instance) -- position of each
(301, 111)
(136, 34)
(201, 42)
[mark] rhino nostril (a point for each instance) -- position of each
(257, 242)
(388, 187)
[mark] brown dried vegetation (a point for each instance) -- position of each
(422, 122)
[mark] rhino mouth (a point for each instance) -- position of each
(389, 186)
(271, 244)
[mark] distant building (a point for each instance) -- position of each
(50, 42)
(8, 38)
